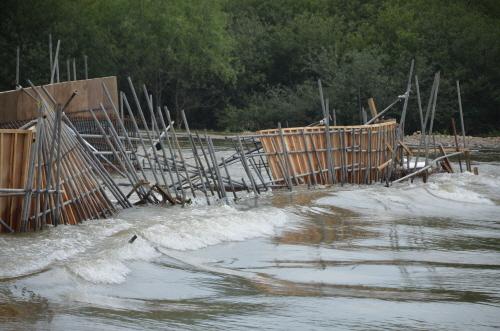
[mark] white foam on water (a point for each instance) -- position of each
(178, 229)
(108, 266)
(445, 195)
(30, 253)
(107, 271)
(210, 226)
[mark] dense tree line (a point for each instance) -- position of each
(247, 64)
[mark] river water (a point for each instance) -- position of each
(417, 256)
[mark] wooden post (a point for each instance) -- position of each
(324, 180)
(312, 175)
(353, 142)
(373, 108)
(284, 151)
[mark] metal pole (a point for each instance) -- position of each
(69, 70)
(50, 57)
(86, 67)
(461, 113)
(53, 72)
(17, 65)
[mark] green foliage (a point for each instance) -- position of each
(247, 64)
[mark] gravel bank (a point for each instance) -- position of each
(472, 142)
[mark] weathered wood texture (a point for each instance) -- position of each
(14, 157)
(357, 151)
(18, 106)
(82, 196)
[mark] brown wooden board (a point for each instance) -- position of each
(357, 154)
(19, 106)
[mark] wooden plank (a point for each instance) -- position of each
(373, 108)
(16, 105)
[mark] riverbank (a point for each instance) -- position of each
(447, 140)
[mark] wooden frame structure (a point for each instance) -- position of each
(300, 155)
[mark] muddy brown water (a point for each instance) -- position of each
(414, 256)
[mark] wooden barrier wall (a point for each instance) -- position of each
(81, 198)
(299, 155)
(14, 156)
(18, 106)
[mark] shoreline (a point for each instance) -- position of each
(472, 142)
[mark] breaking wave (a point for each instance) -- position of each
(99, 252)
(458, 195)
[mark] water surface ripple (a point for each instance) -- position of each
(418, 256)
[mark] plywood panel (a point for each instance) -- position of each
(356, 152)
(19, 106)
